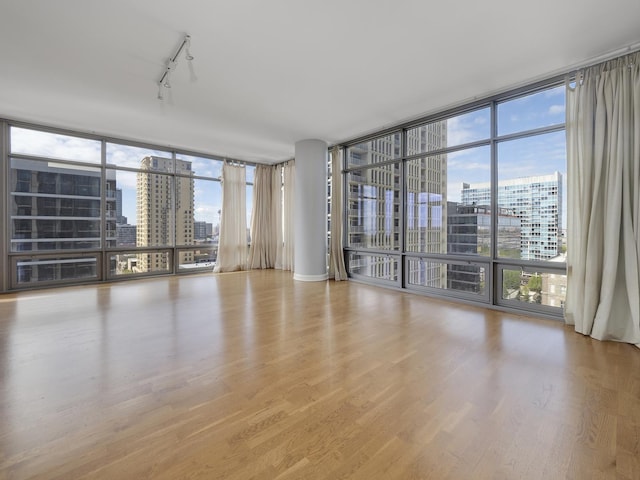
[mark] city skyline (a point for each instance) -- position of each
(536, 201)
(164, 213)
(62, 147)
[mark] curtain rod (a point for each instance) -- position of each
(621, 52)
(568, 70)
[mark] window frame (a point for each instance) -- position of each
(9, 259)
(494, 264)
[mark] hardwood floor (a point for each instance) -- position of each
(255, 376)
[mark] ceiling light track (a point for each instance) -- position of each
(172, 63)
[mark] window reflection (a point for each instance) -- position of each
(453, 207)
(374, 266)
(375, 151)
(452, 276)
(454, 131)
(374, 207)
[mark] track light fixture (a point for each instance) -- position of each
(188, 55)
(171, 65)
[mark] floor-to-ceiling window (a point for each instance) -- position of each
(202, 178)
(84, 208)
(531, 175)
(143, 181)
(468, 204)
(55, 200)
(373, 202)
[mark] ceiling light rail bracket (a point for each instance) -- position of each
(172, 63)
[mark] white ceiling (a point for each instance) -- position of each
(270, 73)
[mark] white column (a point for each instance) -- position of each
(310, 211)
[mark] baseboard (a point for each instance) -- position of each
(310, 278)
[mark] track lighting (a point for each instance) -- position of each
(188, 55)
(172, 63)
(166, 83)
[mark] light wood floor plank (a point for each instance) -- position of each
(254, 376)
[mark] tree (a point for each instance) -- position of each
(535, 283)
(511, 279)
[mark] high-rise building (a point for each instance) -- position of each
(469, 232)
(157, 226)
(126, 235)
(57, 207)
(468, 229)
(554, 285)
(120, 219)
(374, 202)
(537, 202)
(200, 230)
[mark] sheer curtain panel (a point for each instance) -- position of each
(337, 268)
(266, 220)
(232, 244)
(276, 213)
(284, 259)
(603, 170)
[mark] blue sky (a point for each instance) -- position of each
(523, 157)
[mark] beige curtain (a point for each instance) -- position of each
(284, 259)
(276, 213)
(232, 244)
(603, 170)
(266, 219)
(337, 268)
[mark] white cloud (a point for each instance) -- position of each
(126, 180)
(456, 133)
(469, 159)
(465, 165)
(467, 128)
(127, 156)
(556, 109)
(51, 145)
(204, 167)
(207, 213)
